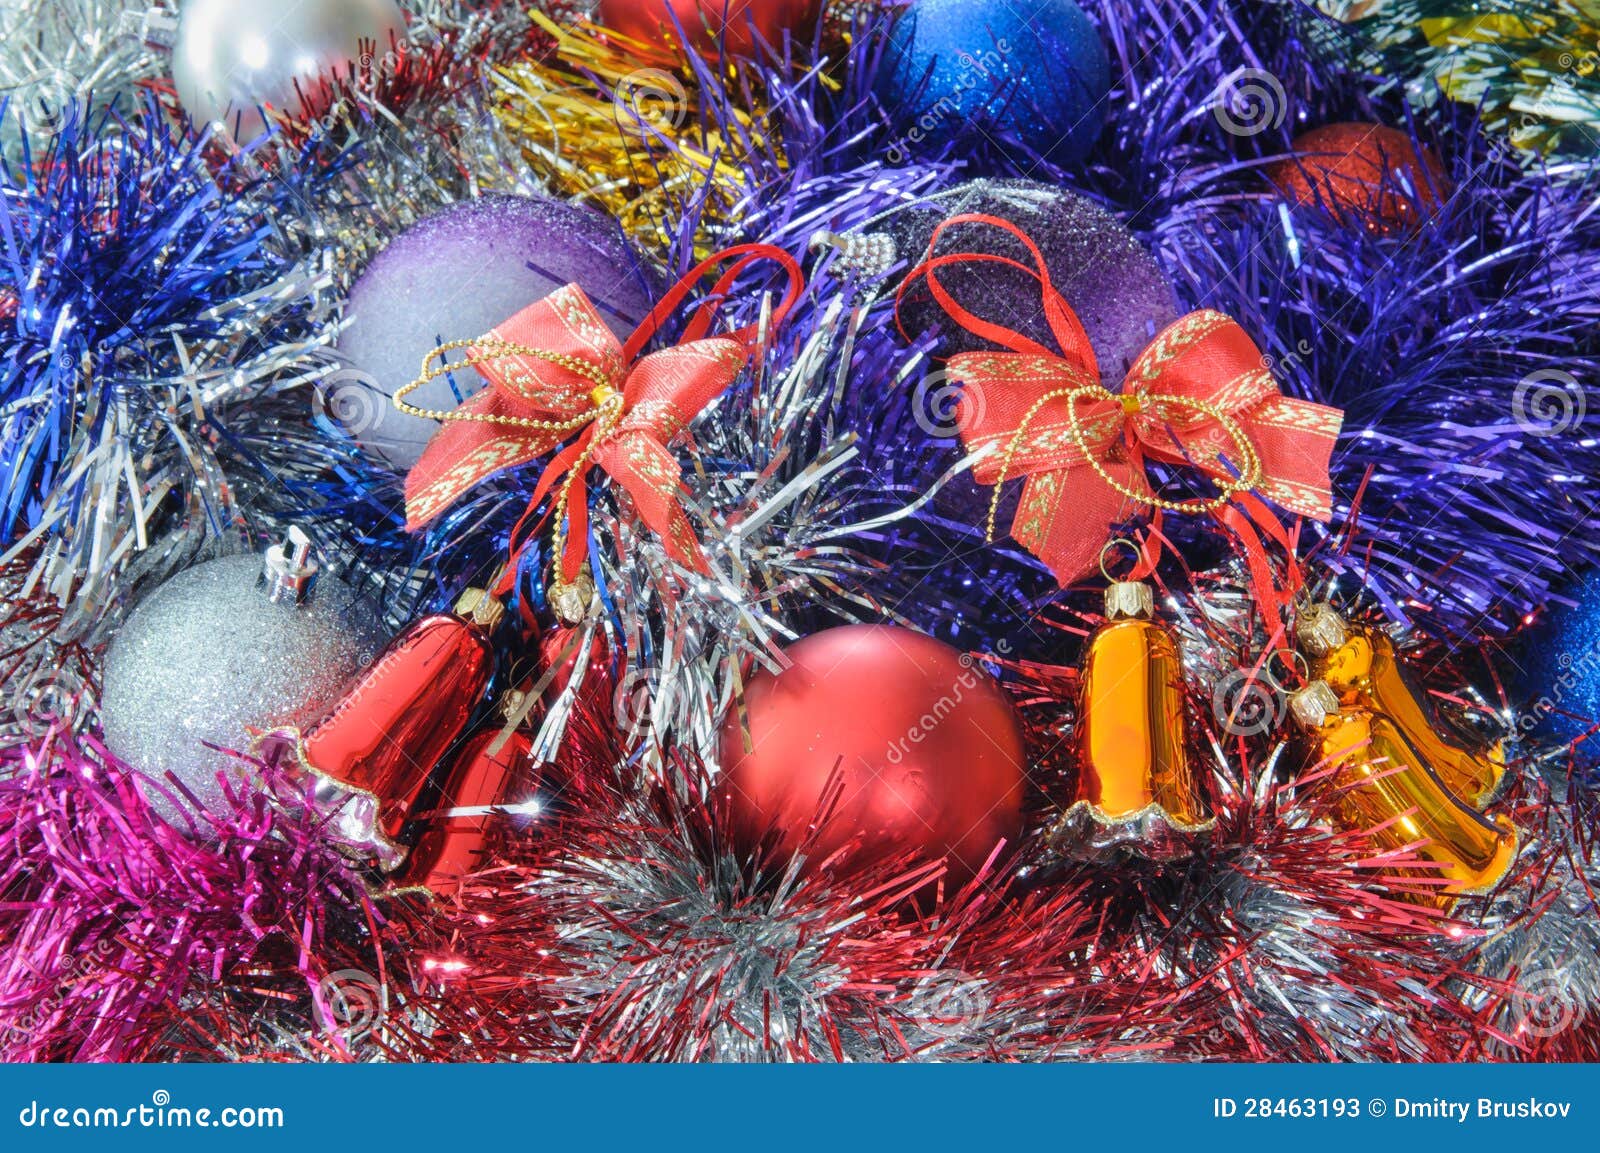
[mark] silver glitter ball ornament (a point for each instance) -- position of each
(209, 654)
(235, 56)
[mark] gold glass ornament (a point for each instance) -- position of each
(1362, 667)
(1136, 791)
(1385, 789)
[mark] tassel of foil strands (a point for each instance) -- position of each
(641, 131)
(402, 87)
(150, 308)
(56, 56)
(48, 679)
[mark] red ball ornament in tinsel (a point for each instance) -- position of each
(708, 21)
(1366, 172)
(927, 748)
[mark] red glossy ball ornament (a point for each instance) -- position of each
(929, 752)
(1365, 172)
(705, 21)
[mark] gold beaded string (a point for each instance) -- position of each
(496, 349)
(1131, 404)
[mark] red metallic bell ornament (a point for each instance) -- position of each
(373, 750)
(705, 21)
(560, 650)
(455, 842)
(928, 749)
(1365, 172)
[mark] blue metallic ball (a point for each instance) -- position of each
(1034, 72)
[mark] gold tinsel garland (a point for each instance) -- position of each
(632, 128)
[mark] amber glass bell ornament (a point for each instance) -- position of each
(1136, 792)
(1362, 667)
(373, 750)
(1384, 789)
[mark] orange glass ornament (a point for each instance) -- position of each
(1363, 668)
(1385, 790)
(1365, 172)
(1136, 791)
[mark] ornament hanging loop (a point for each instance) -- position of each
(1110, 546)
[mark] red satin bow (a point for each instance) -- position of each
(1199, 395)
(567, 371)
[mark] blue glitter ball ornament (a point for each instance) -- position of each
(1035, 72)
(1558, 673)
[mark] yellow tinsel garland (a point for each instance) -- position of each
(624, 125)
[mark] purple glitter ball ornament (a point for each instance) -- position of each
(1113, 284)
(455, 275)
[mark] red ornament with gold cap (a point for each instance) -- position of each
(372, 751)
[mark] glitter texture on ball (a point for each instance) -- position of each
(454, 276)
(207, 655)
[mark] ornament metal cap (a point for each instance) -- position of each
(289, 570)
(480, 608)
(1320, 630)
(1314, 704)
(1125, 599)
(571, 599)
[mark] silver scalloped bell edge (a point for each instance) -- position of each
(1083, 833)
